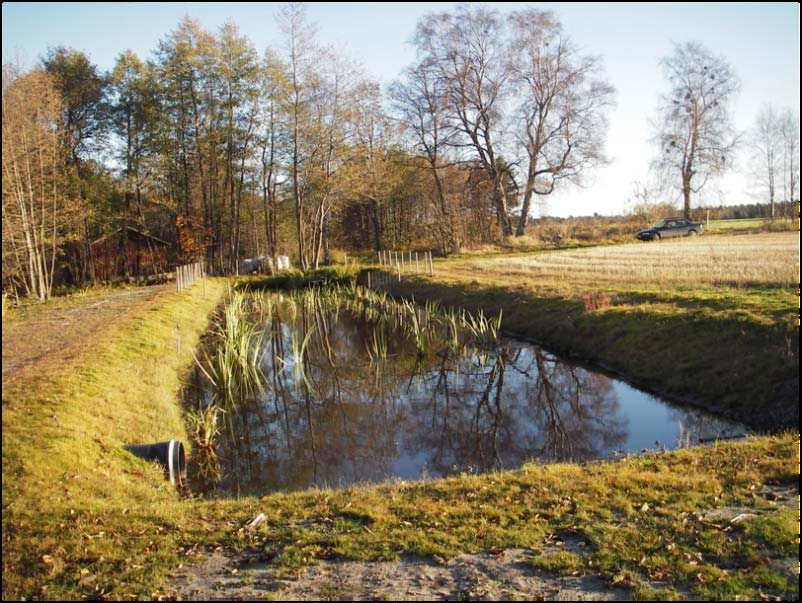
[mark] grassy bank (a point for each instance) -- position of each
(80, 515)
(645, 523)
(753, 225)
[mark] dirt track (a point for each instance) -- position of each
(53, 333)
(505, 576)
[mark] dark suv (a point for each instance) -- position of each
(670, 227)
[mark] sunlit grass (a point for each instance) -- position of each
(765, 259)
(73, 499)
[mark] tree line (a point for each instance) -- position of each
(226, 152)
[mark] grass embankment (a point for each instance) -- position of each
(710, 321)
(80, 515)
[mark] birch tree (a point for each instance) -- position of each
(789, 135)
(562, 105)
(695, 136)
(420, 103)
(33, 179)
(467, 51)
(767, 152)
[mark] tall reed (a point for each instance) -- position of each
(233, 368)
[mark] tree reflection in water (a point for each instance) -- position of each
(334, 413)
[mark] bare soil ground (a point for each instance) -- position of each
(504, 576)
(53, 333)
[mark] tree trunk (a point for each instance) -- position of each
(686, 196)
(377, 229)
(530, 189)
(501, 206)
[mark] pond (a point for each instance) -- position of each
(355, 388)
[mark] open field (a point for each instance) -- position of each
(766, 259)
(752, 224)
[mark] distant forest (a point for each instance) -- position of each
(784, 209)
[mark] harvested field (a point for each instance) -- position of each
(761, 259)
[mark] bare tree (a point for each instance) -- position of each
(561, 115)
(789, 134)
(767, 150)
(696, 137)
(419, 101)
(467, 51)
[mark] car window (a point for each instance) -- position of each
(660, 224)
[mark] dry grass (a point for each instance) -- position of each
(762, 259)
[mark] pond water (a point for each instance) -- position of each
(351, 395)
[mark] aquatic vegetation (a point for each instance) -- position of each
(205, 430)
(377, 346)
(299, 347)
(234, 365)
(250, 327)
(484, 331)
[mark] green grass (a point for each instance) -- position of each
(83, 518)
(640, 519)
(751, 224)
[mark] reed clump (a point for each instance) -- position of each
(233, 368)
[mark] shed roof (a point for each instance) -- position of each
(130, 229)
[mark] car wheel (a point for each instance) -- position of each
(692, 233)
(656, 236)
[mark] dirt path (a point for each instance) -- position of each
(506, 576)
(53, 333)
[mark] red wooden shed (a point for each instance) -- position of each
(145, 255)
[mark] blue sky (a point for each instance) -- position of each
(760, 40)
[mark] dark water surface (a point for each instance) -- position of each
(340, 411)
